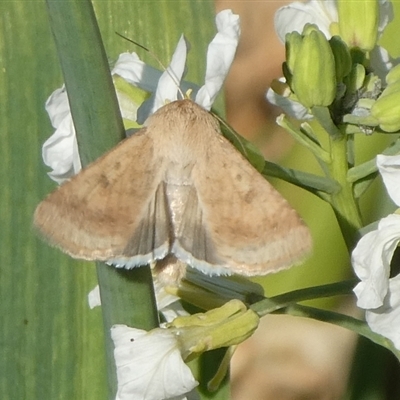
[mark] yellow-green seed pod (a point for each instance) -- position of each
(314, 75)
(358, 23)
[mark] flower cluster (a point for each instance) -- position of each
(321, 33)
(334, 62)
(379, 291)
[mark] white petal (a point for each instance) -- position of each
(57, 106)
(94, 298)
(381, 62)
(173, 310)
(294, 16)
(386, 14)
(385, 320)
(60, 151)
(371, 262)
(220, 54)
(168, 85)
(292, 108)
(149, 365)
(389, 168)
(136, 72)
(163, 298)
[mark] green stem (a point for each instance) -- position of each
(272, 304)
(286, 303)
(343, 202)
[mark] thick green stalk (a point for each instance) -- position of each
(127, 296)
(343, 202)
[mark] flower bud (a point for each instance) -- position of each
(314, 75)
(341, 53)
(387, 108)
(292, 45)
(358, 23)
(355, 80)
(393, 75)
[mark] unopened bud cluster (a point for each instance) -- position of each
(338, 74)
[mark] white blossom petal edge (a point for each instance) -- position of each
(220, 54)
(291, 107)
(294, 16)
(149, 365)
(389, 168)
(130, 67)
(385, 320)
(94, 298)
(60, 151)
(371, 262)
(168, 304)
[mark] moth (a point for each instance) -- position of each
(176, 189)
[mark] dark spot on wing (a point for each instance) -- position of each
(103, 181)
(249, 196)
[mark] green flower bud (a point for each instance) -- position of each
(358, 23)
(355, 80)
(390, 89)
(341, 52)
(292, 45)
(387, 108)
(314, 75)
(393, 75)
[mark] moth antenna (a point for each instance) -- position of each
(169, 71)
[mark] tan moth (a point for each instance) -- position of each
(176, 188)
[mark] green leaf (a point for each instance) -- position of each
(98, 125)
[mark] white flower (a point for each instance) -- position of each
(389, 168)
(385, 320)
(371, 261)
(149, 365)
(377, 292)
(61, 151)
